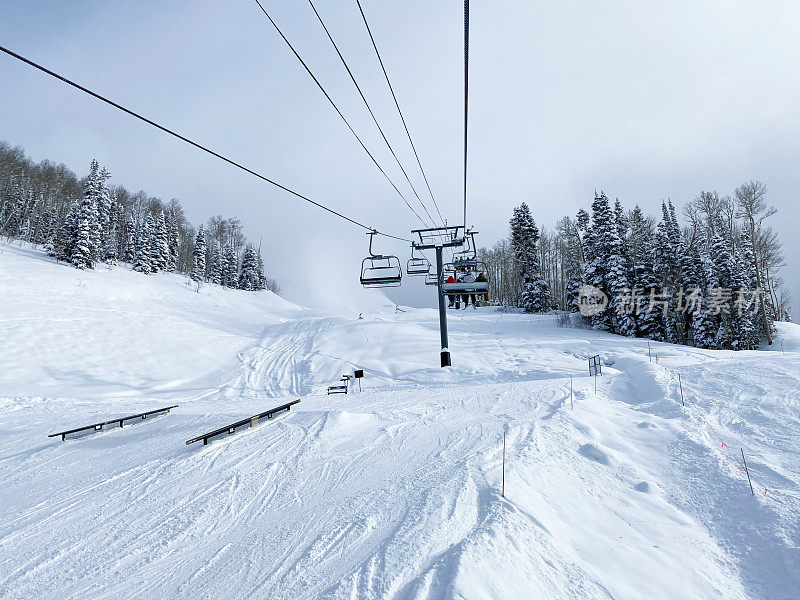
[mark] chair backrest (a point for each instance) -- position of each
(381, 271)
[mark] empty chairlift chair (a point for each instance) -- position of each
(418, 265)
(378, 270)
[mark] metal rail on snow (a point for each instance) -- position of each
(99, 426)
(252, 421)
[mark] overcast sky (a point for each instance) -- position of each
(645, 100)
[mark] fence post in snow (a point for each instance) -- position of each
(680, 385)
(745, 470)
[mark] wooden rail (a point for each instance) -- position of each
(252, 421)
(99, 426)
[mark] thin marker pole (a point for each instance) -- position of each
(680, 385)
(748, 473)
(570, 392)
(649, 354)
(503, 490)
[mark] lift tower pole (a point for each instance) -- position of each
(442, 310)
(439, 238)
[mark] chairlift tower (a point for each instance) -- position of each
(439, 238)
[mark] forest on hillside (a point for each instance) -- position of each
(711, 282)
(87, 220)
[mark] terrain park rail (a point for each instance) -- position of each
(252, 421)
(99, 426)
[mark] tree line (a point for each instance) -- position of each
(85, 221)
(711, 282)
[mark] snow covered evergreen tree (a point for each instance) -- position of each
(85, 243)
(213, 265)
(606, 269)
(249, 274)
(129, 254)
(173, 242)
(81, 254)
(199, 256)
(144, 247)
(159, 244)
(228, 268)
(110, 230)
(649, 319)
(535, 293)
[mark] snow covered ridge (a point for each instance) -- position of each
(393, 492)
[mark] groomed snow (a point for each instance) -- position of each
(391, 492)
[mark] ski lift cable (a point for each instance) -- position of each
(339, 112)
(369, 108)
(400, 112)
(466, 100)
(195, 144)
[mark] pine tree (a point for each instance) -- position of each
(228, 270)
(66, 234)
(144, 246)
(159, 244)
(213, 267)
(249, 275)
(667, 264)
(110, 235)
(173, 243)
(130, 242)
(81, 254)
(85, 243)
(649, 319)
(705, 323)
(606, 269)
(747, 324)
(621, 220)
(535, 293)
(199, 256)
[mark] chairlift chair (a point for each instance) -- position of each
(467, 257)
(417, 265)
(378, 270)
(466, 287)
(431, 279)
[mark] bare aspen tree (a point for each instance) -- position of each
(752, 206)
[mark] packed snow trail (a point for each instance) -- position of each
(393, 492)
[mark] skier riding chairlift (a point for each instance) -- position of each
(451, 298)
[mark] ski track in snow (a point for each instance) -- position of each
(393, 492)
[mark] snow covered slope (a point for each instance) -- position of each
(391, 492)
